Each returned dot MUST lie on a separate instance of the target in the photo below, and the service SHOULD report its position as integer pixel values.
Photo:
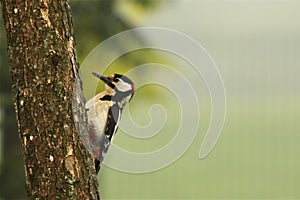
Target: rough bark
(43, 70)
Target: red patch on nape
(133, 87)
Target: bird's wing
(113, 118)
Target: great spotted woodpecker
(104, 112)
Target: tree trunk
(43, 70)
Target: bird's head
(122, 85)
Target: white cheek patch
(123, 87)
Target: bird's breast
(97, 113)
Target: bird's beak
(105, 79)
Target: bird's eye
(116, 80)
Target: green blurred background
(255, 44)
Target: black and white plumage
(104, 112)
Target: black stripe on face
(105, 98)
